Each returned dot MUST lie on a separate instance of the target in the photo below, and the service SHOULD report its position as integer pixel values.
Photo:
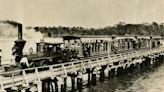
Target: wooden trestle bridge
(143, 51)
(26, 77)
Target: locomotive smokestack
(19, 45)
(19, 31)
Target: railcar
(73, 47)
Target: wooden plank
(18, 80)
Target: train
(75, 48)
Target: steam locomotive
(48, 53)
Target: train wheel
(44, 63)
(33, 64)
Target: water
(146, 80)
(6, 45)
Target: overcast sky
(85, 13)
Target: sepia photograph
(81, 45)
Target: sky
(85, 13)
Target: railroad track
(65, 68)
(86, 58)
(105, 55)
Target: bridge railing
(25, 76)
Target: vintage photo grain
(81, 45)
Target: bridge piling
(45, 85)
(56, 84)
(79, 81)
(94, 80)
(109, 74)
(65, 84)
(102, 73)
(162, 57)
(147, 61)
(112, 73)
(120, 70)
(62, 88)
(158, 59)
(89, 77)
(156, 62)
(73, 82)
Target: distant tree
(118, 29)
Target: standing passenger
(101, 47)
(24, 62)
(89, 49)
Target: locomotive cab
(49, 48)
(46, 53)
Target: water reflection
(141, 80)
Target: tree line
(121, 28)
(118, 29)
